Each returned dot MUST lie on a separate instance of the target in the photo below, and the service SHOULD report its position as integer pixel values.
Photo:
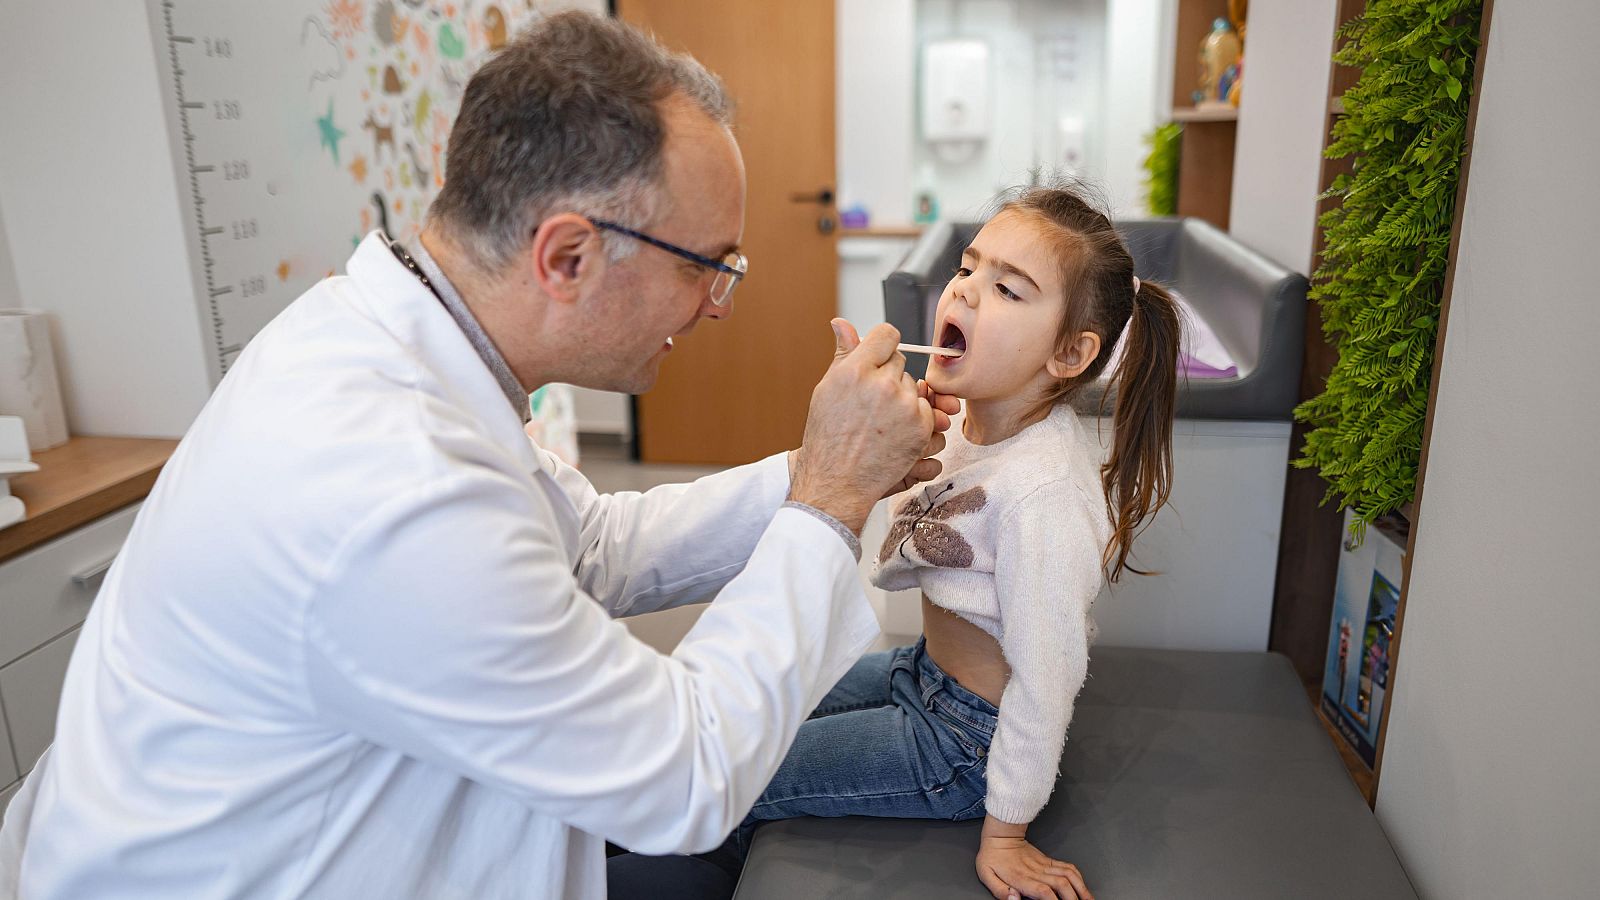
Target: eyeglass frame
(715, 265)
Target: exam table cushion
(1187, 774)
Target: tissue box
(14, 460)
(28, 385)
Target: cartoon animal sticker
(422, 174)
(391, 81)
(330, 133)
(386, 26)
(381, 134)
(494, 26)
(451, 45)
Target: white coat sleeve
(449, 627)
(674, 544)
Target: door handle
(93, 573)
(823, 197)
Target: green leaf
(1453, 87)
(1437, 65)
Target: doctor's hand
(927, 468)
(869, 425)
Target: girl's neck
(993, 421)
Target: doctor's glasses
(730, 269)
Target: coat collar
(399, 301)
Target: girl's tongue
(953, 338)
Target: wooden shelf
(1205, 114)
(80, 481)
(883, 231)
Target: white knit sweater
(1010, 538)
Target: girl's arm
(1048, 571)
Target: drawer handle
(93, 573)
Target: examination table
(1187, 774)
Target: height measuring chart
(298, 126)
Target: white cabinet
(45, 595)
(47, 591)
(8, 763)
(30, 688)
(5, 798)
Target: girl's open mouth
(951, 337)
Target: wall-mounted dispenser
(955, 90)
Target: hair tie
(1136, 285)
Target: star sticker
(358, 168)
(283, 270)
(330, 134)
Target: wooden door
(737, 390)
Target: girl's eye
(1007, 292)
(963, 272)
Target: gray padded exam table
(1187, 774)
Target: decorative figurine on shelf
(1237, 11)
(1218, 51)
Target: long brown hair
(1101, 297)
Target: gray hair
(566, 118)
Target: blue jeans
(895, 738)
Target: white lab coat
(360, 641)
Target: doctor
(361, 641)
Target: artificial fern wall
(1386, 244)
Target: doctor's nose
(710, 310)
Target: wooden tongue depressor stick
(931, 351)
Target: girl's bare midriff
(965, 652)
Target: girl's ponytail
(1104, 297)
(1138, 476)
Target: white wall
(1045, 62)
(1489, 786)
(9, 297)
(1138, 88)
(95, 233)
(1277, 161)
(876, 64)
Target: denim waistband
(937, 686)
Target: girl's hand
(1011, 868)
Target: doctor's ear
(568, 256)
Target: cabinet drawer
(5, 797)
(30, 688)
(48, 590)
(8, 763)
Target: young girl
(1010, 545)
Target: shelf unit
(1205, 167)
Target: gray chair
(1255, 306)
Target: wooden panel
(1345, 76)
(1205, 172)
(1194, 23)
(738, 390)
(80, 481)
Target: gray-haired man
(361, 642)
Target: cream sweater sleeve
(1047, 572)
